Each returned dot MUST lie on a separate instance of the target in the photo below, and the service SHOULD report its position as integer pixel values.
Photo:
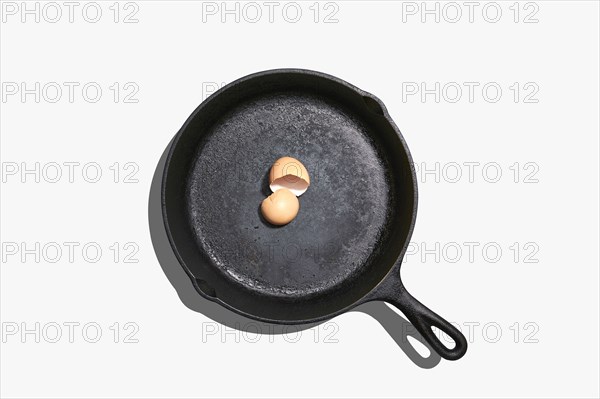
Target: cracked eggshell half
(289, 173)
(280, 208)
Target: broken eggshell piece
(288, 172)
(280, 208)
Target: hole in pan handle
(422, 318)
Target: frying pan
(346, 245)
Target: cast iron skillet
(347, 243)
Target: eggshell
(288, 172)
(281, 207)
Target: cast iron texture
(346, 245)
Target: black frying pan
(346, 245)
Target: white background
(171, 55)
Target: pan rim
(394, 268)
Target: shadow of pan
(396, 326)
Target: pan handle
(422, 317)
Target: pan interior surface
(353, 219)
(342, 214)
